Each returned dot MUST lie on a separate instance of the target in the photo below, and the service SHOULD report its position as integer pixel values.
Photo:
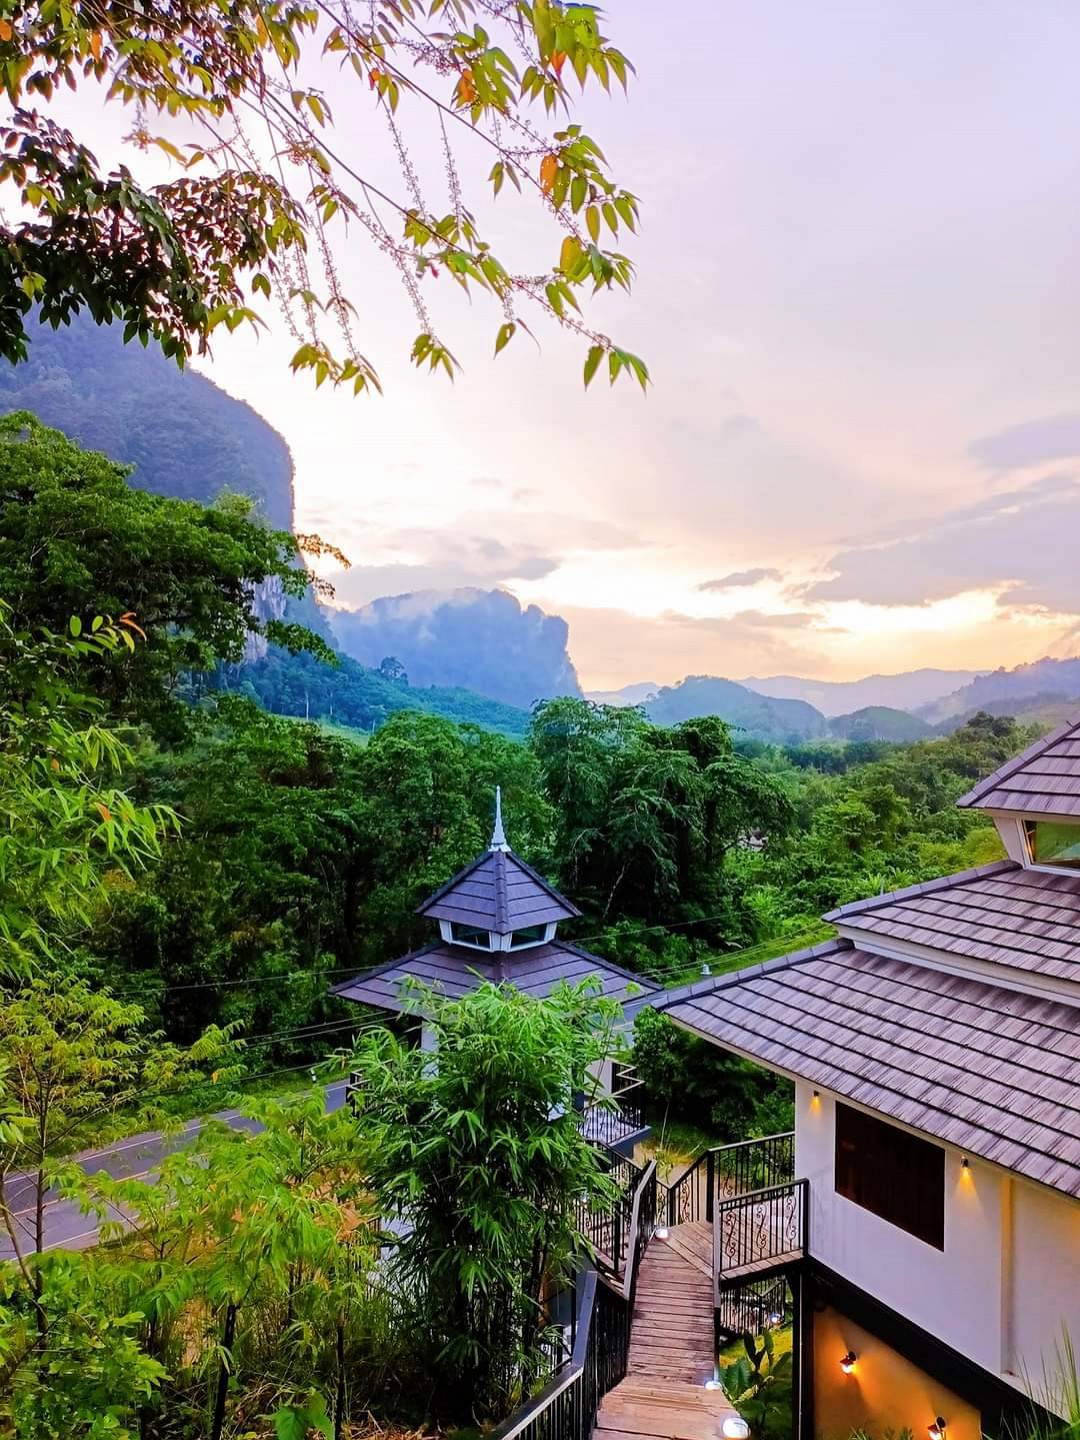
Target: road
(66, 1227)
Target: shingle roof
(498, 892)
(1001, 913)
(989, 1070)
(455, 971)
(1044, 779)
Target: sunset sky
(859, 294)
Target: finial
(498, 835)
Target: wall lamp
(847, 1364)
(936, 1431)
(965, 1163)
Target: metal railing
(759, 1231)
(726, 1170)
(605, 1124)
(607, 1227)
(566, 1407)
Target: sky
(858, 292)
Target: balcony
(757, 1208)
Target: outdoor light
(661, 1232)
(847, 1364)
(735, 1428)
(713, 1383)
(775, 1319)
(936, 1431)
(705, 968)
(817, 1094)
(965, 1163)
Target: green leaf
(505, 335)
(592, 221)
(75, 626)
(592, 362)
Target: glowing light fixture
(965, 1163)
(661, 1232)
(936, 1431)
(735, 1428)
(775, 1319)
(847, 1364)
(713, 1383)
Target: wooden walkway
(672, 1348)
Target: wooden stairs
(672, 1347)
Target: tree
(64, 827)
(391, 668)
(267, 188)
(76, 539)
(481, 1154)
(647, 815)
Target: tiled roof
(989, 1070)
(454, 971)
(1001, 913)
(1044, 779)
(498, 892)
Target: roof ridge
(502, 911)
(715, 983)
(546, 885)
(644, 981)
(1010, 767)
(377, 970)
(924, 887)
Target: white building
(935, 1049)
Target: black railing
(753, 1308)
(566, 1407)
(606, 1227)
(727, 1170)
(759, 1231)
(607, 1124)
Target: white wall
(1007, 1282)
(955, 1294)
(1045, 1281)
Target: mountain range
(470, 653)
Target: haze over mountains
(469, 653)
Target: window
(892, 1174)
(531, 935)
(470, 935)
(1053, 842)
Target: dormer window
(470, 935)
(1054, 843)
(532, 935)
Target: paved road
(66, 1227)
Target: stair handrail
(594, 1372)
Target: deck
(672, 1347)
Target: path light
(775, 1319)
(735, 1428)
(936, 1431)
(847, 1364)
(660, 1233)
(713, 1383)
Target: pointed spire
(498, 834)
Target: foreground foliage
(268, 187)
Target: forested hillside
(185, 436)
(764, 718)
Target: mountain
(879, 722)
(628, 695)
(481, 639)
(1018, 687)
(190, 440)
(904, 691)
(186, 437)
(780, 721)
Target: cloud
(780, 619)
(1017, 543)
(1036, 442)
(739, 578)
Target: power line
(254, 980)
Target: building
(935, 1050)
(498, 920)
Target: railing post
(710, 1184)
